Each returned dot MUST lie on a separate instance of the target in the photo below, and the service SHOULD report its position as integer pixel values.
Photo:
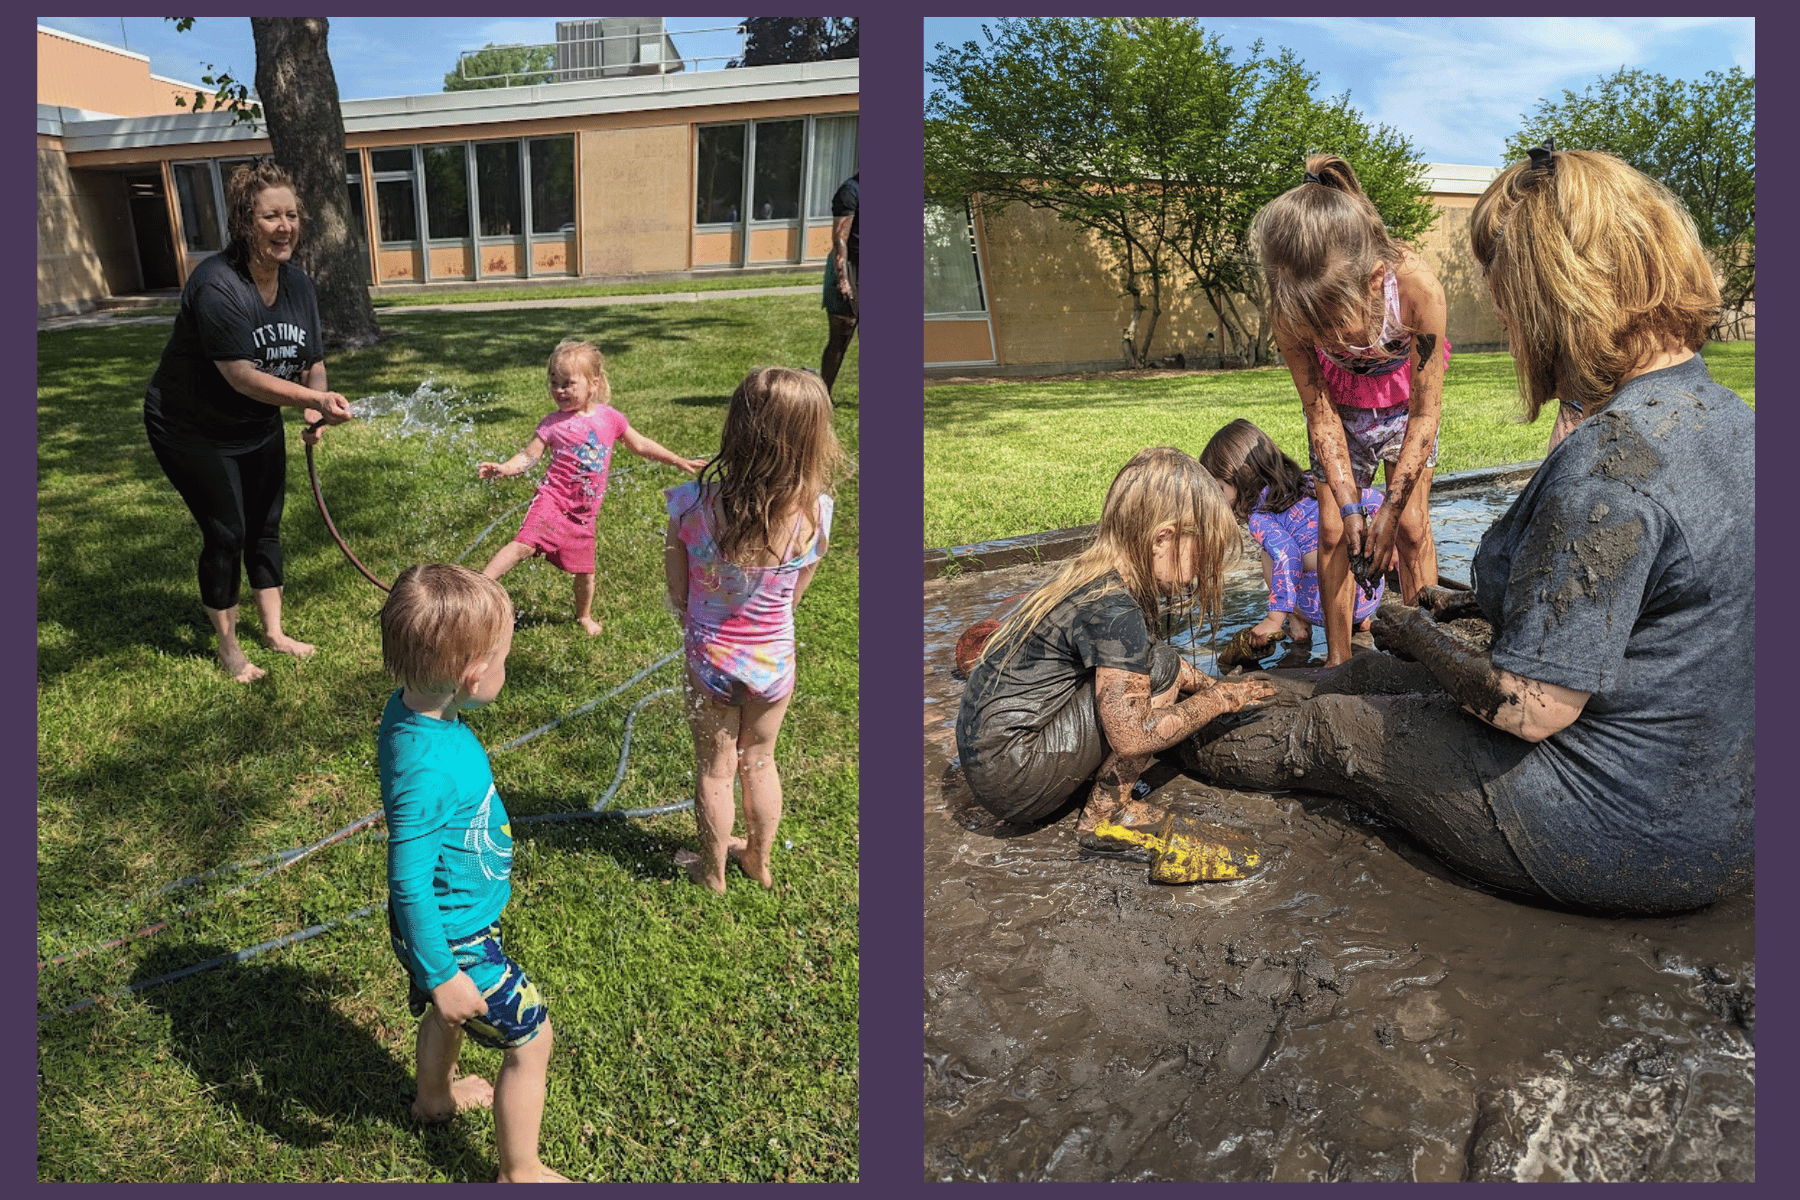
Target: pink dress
(560, 522)
(740, 620)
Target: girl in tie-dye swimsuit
(742, 545)
(1359, 319)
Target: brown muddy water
(1353, 1012)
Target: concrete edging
(1058, 544)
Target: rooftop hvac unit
(603, 47)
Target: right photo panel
(1339, 545)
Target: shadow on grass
(266, 1041)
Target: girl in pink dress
(580, 435)
(743, 542)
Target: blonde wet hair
(1594, 266)
(1318, 245)
(589, 359)
(777, 453)
(438, 620)
(1160, 487)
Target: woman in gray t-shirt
(1593, 754)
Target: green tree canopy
(1154, 135)
(1698, 137)
(771, 40)
(495, 66)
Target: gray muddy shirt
(1627, 569)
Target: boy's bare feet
(696, 871)
(593, 627)
(466, 1092)
(238, 666)
(281, 643)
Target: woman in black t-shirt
(1073, 682)
(246, 344)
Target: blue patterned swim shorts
(516, 1009)
(1374, 436)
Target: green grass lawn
(1004, 459)
(697, 1037)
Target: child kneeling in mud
(1073, 682)
(445, 635)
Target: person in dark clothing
(246, 344)
(1592, 755)
(841, 295)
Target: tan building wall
(631, 180)
(1470, 320)
(76, 73)
(85, 242)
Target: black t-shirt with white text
(223, 317)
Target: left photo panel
(447, 599)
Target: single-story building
(665, 175)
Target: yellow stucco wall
(102, 79)
(70, 277)
(1470, 317)
(636, 199)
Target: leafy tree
(295, 80)
(1698, 137)
(1150, 134)
(495, 66)
(771, 40)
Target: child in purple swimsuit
(1268, 491)
(743, 542)
(579, 435)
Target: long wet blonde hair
(1318, 245)
(777, 453)
(1593, 266)
(1160, 487)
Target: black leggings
(236, 499)
(1039, 771)
(1415, 759)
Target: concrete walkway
(126, 316)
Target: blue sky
(372, 56)
(1457, 86)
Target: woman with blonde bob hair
(1075, 682)
(1594, 754)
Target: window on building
(775, 194)
(552, 184)
(497, 189)
(396, 196)
(202, 231)
(952, 265)
(720, 183)
(353, 181)
(446, 191)
(833, 161)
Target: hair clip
(1309, 177)
(1543, 157)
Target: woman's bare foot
(696, 871)
(466, 1092)
(593, 627)
(757, 870)
(281, 643)
(238, 666)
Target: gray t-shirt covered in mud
(1016, 693)
(1626, 569)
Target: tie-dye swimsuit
(740, 620)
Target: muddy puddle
(1353, 1012)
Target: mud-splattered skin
(1526, 708)
(1136, 727)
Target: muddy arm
(1529, 709)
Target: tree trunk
(299, 95)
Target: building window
(497, 189)
(202, 229)
(396, 197)
(446, 191)
(952, 263)
(720, 184)
(776, 191)
(552, 184)
(353, 181)
(833, 161)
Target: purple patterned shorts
(1374, 436)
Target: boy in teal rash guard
(445, 635)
